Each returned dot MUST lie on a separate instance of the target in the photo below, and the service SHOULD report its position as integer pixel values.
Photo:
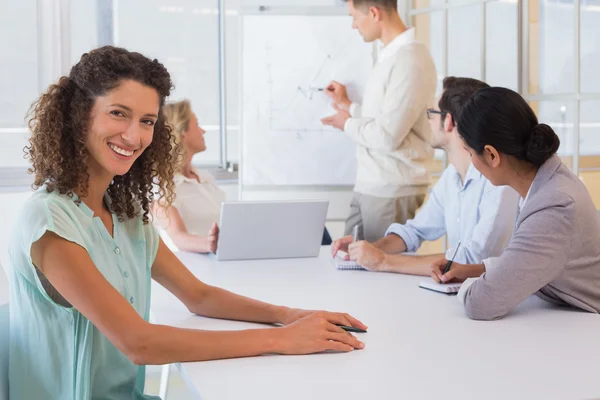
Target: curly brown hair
(59, 121)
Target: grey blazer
(554, 251)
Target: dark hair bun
(542, 144)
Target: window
(183, 35)
(429, 29)
(19, 78)
(465, 41)
(560, 78)
(502, 44)
(590, 46)
(465, 37)
(551, 40)
(88, 20)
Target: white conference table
(420, 344)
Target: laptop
(271, 229)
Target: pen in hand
(449, 263)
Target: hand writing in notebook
(367, 255)
(458, 272)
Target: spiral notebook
(448, 288)
(342, 264)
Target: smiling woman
(130, 90)
(122, 128)
(83, 253)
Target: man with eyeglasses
(392, 136)
(463, 204)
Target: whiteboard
(285, 59)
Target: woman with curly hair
(83, 252)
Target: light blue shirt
(55, 352)
(478, 214)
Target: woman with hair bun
(555, 249)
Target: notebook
(448, 288)
(342, 264)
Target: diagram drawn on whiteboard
(287, 63)
(300, 110)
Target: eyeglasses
(431, 112)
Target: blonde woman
(191, 221)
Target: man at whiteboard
(390, 127)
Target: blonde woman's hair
(178, 115)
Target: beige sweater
(390, 128)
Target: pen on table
(351, 329)
(449, 263)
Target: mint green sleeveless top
(55, 352)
